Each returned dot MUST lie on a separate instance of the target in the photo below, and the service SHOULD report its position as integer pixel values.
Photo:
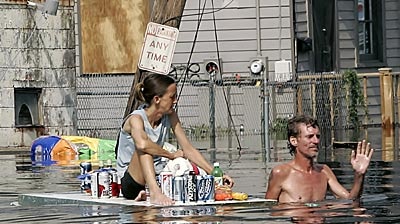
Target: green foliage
(354, 99)
(199, 131)
(203, 131)
(279, 128)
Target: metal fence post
(228, 89)
(266, 116)
(212, 116)
(396, 127)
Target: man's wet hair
(293, 129)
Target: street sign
(158, 48)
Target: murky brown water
(380, 203)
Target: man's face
(307, 141)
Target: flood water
(380, 202)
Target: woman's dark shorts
(129, 187)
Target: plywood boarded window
(112, 35)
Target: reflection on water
(322, 212)
(380, 202)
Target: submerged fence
(345, 111)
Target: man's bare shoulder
(324, 169)
(282, 170)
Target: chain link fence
(240, 106)
(101, 102)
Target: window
(27, 106)
(370, 40)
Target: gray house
(42, 56)
(293, 36)
(315, 36)
(335, 35)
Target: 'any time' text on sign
(158, 48)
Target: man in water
(304, 180)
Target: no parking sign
(158, 48)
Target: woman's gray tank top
(126, 146)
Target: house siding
(346, 44)
(347, 37)
(346, 34)
(302, 25)
(236, 44)
(392, 26)
(236, 39)
(347, 53)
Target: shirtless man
(303, 180)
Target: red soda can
(114, 188)
(119, 185)
(100, 184)
(104, 184)
(166, 182)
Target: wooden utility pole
(165, 12)
(387, 113)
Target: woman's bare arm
(190, 152)
(134, 125)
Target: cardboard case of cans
(106, 183)
(187, 188)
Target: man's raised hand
(361, 157)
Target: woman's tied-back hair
(293, 129)
(151, 86)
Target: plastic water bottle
(218, 174)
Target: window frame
(378, 57)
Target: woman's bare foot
(160, 199)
